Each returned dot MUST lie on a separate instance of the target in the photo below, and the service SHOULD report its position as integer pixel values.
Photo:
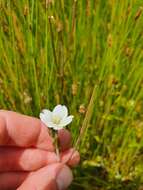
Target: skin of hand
(27, 155)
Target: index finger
(23, 131)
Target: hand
(27, 157)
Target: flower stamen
(56, 119)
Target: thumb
(52, 177)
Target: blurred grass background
(88, 55)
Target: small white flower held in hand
(56, 119)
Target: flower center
(56, 119)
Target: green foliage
(59, 51)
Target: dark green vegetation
(88, 55)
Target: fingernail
(64, 178)
(52, 158)
(71, 157)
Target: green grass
(88, 55)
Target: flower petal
(57, 127)
(53, 125)
(61, 111)
(47, 113)
(66, 121)
(57, 108)
(45, 119)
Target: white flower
(57, 119)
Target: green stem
(56, 144)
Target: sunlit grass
(75, 53)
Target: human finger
(11, 180)
(70, 157)
(23, 131)
(21, 159)
(52, 177)
(64, 137)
